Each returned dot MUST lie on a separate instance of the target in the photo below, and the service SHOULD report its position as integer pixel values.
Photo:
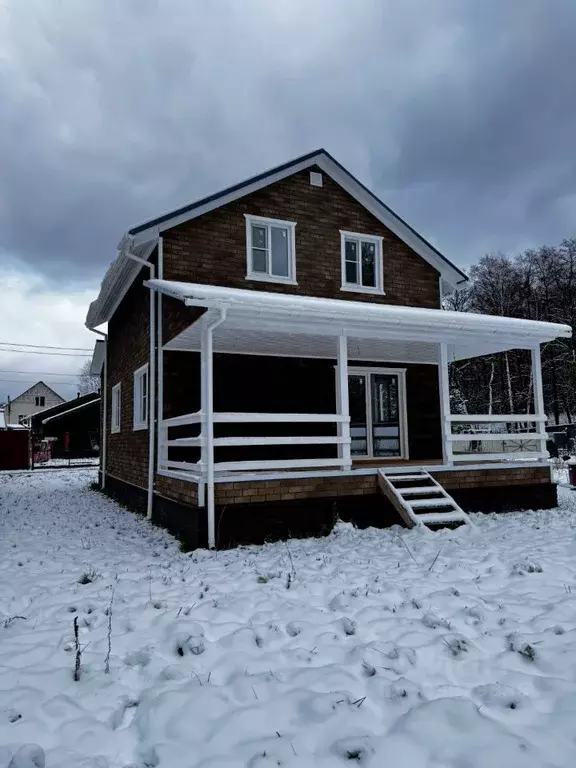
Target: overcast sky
(460, 114)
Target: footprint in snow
(499, 696)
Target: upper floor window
(115, 418)
(40, 400)
(141, 397)
(271, 250)
(361, 263)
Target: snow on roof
(308, 308)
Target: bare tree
(539, 284)
(87, 382)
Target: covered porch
(388, 389)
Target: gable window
(271, 252)
(40, 400)
(115, 418)
(141, 397)
(361, 262)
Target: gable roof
(26, 391)
(142, 239)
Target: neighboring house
(288, 363)
(37, 398)
(73, 427)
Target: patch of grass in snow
(88, 576)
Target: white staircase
(419, 499)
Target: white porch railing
(495, 437)
(197, 469)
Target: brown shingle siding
(212, 248)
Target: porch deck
(392, 398)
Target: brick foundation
(260, 510)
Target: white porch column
(207, 400)
(207, 406)
(444, 386)
(538, 392)
(343, 402)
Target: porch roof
(261, 322)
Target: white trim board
(123, 271)
(245, 477)
(450, 273)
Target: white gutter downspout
(152, 389)
(104, 407)
(207, 406)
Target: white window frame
(379, 269)
(38, 400)
(402, 411)
(116, 409)
(267, 277)
(139, 375)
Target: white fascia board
(155, 230)
(449, 273)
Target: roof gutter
(104, 407)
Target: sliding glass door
(377, 413)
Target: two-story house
(277, 356)
(35, 399)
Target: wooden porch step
(437, 518)
(425, 504)
(418, 490)
(443, 501)
(397, 478)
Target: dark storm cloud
(461, 115)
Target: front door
(377, 413)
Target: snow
(454, 649)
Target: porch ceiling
(259, 322)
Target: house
(72, 427)
(277, 355)
(36, 398)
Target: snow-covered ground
(381, 648)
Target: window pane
(259, 237)
(144, 398)
(258, 260)
(385, 416)
(358, 425)
(351, 262)
(352, 272)
(351, 250)
(369, 264)
(279, 238)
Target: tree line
(538, 284)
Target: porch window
(115, 418)
(141, 398)
(271, 251)
(378, 412)
(361, 262)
